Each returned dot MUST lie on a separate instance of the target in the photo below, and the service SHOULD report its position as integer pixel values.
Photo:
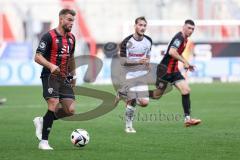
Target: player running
(134, 55)
(173, 75)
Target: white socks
(187, 118)
(129, 116)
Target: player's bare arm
(173, 52)
(146, 61)
(42, 61)
(129, 62)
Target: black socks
(186, 104)
(47, 124)
(150, 93)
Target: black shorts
(172, 78)
(54, 87)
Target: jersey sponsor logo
(42, 45)
(136, 54)
(65, 49)
(63, 55)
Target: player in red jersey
(173, 75)
(56, 54)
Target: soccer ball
(79, 137)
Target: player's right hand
(54, 69)
(191, 68)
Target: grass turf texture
(218, 136)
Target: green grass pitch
(162, 136)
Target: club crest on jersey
(50, 90)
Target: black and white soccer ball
(80, 137)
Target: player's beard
(66, 29)
(140, 34)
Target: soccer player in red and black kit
(56, 54)
(173, 75)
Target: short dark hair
(67, 11)
(140, 18)
(189, 21)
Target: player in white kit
(135, 56)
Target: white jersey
(136, 50)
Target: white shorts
(139, 89)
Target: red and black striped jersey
(58, 50)
(178, 42)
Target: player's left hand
(144, 61)
(189, 67)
